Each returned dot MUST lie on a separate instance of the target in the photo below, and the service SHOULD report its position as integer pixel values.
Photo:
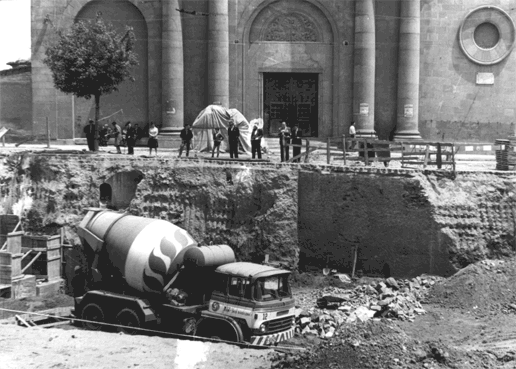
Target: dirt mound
(486, 287)
(381, 345)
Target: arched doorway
(131, 101)
(289, 68)
(106, 194)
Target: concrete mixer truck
(149, 273)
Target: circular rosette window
(487, 35)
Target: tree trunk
(97, 113)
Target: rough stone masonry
(403, 222)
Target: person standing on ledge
(284, 136)
(89, 131)
(117, 135)
(296, 140)
(352, 133)
(233, 137)
(217, 139)
(130, 137)
(256, 141)
(186, 139)
(153, 139)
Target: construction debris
(388, 298)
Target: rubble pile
(380, 345)
(388, 298)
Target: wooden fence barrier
(409, 153)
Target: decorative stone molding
(291, 28)
(487, 35)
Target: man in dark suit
(233, 137)
(186, 139)
(130, 138)
(284, 136)
(256, 141)
(89, 131)
(295, 137)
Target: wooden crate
(8, 222)
(53, 252)
(5, 258)
(6, 275)
(38, 268)
(40, 242)
(14, 242)
(54, 268)
(16, 265)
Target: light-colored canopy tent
(216, 116)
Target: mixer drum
(146, 251)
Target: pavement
(475, 162)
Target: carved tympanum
(291, 28)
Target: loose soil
(470, 323)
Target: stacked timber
(503, 147)
(10, 267)
(511, 153)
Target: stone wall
(404, 222)
(140, 101)
(388, 217)
(453, 107)
(16, 99)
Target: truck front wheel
(91, 314)
(218, 331)
(128, 318)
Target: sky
(14, 31)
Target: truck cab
(256, 296)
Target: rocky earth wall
(404, 222)
(386, 216)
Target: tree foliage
(91, 59)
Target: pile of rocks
(388, 298)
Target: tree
(92, 59)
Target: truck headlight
(263, 328)
(293, 322)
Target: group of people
(290, 136)
(233, 141)
(128, 136)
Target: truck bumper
(271, 339)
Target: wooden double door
(291, 98)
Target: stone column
(364, 68)
(218, 52)
(408, 72)
(172, 111)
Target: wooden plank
(366, 154)
(55, 324)
(453, 158)
(439, 157)
(15, 228)
(26, 254)
(344, 149)
(328, 151)
(307, 150)
(429, 163)
(426, 155)
(31, 262)
(22, 321)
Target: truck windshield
(271, 288)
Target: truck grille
(279, 325)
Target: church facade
(402, 69)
